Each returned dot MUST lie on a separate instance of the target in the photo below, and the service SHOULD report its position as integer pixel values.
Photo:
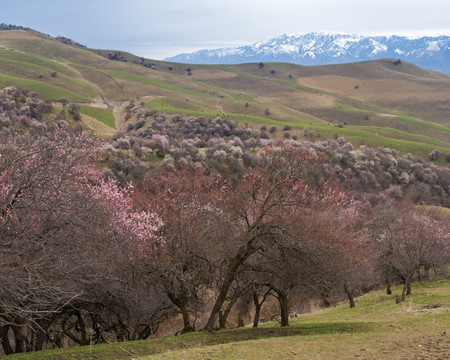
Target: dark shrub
(64, 101)
(434, 155)
(140, 123)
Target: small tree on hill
(434, 155)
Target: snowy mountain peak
(320, 48)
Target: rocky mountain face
(323, 48)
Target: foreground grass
(377, 328)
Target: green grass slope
(377, 328)
(46, 91)
(103, 115)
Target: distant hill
(381, 103)
(322, 48)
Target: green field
(45, 91)
(32, 59)
(102, 115)
(423, 123)
(377, 328)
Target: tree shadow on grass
(245, 334)
(125, 350)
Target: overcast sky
(162, 28)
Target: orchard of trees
(87, 256)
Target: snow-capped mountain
(323, 48)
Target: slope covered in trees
(196, 217)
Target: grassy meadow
(103, 115)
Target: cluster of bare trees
(65, 270)
(84, 260)
(280, 231)
(194, 244)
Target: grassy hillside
(377, 103)
(377, 328)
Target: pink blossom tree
(63, 231)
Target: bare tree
(411, 239)
(259, 209)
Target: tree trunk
(349, 295)
(388, 288)
(230, 275)
(284, 307)
(258, 305)
(4, 339)
(181, 301)
(42, 331)
(187, 327)
(257, 316)
(406, 288)
(257, 309)
(223, 316)
(222, 320)
(41, 336)
(19, 339)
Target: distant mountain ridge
(431, 52)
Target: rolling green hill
(379, 103)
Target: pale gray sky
(162, 28)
